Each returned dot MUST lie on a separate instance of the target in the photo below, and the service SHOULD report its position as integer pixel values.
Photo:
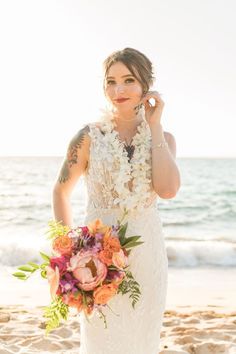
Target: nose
(119, 88)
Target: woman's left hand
(153, 112)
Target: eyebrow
(112, 77)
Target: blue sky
(51, 69)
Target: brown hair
(137, 63)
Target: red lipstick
(120, 100)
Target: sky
(51, 69)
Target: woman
(127, 161)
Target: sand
(200, 315)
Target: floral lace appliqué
(112, 180)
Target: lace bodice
(112, 181)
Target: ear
(144, 93)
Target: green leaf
(44, 274)
(123, 216)
(84, 298)
(133, 244)
(128, 252)
(34, 265)
(56, 229)
(123, 229)
(26, 268)
(44, 265)
(76, 294)
(44, 256)
(130, 285)
(131, 238)
(54, 313)
(20, 275)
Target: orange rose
(97, 226)
(106, 256)
(76, 302)
(113, 243)
(104, 293)
(63, 245)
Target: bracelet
(160, 145)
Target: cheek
(136, 90)
(109, 92)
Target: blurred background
(51, 84)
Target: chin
(125, 108)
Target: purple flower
(67, 283)
(115, 230)
(114, 275)
(98, 236)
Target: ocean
(199, 223)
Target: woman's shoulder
(93, 130)
(89, 126)
(88, 130)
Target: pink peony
(53, 277)
(87, 269)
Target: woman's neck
(127, 119)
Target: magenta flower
(61, 262)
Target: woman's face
(120, 83)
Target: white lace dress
(114, 183)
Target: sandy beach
(200, 315)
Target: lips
(119, 100)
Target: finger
(152, 100)
(147, 104)
(153, 94)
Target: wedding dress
(113, 184)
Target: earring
(141, 105)
(139, 109)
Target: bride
(128, 162)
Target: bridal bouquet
(88, 266)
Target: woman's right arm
(74, 165)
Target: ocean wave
(180, 253)
(201, 253)
(15, 255)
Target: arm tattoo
(72, 154)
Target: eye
(130, 80)
(110, 81)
